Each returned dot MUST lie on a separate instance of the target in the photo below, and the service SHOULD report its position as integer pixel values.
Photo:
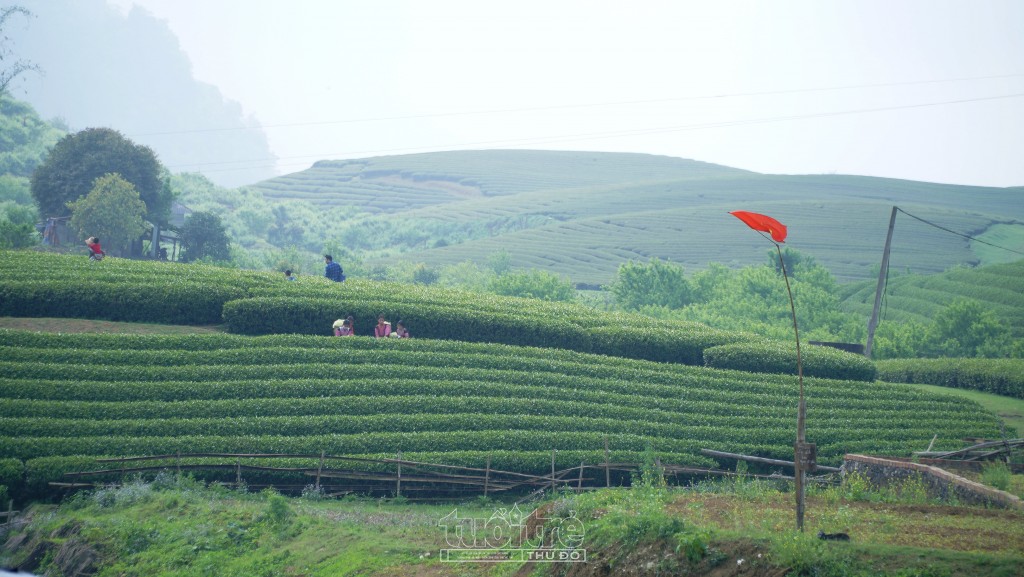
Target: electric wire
(597, 135)
(573, 106)
(958, 233)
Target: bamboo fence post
(579, 482)
(238, 473)
(319, 471)
(552, 471)
(398, 489)
(607, 470)
(487, 476)
(177, 463)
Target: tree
(536, 284)
(15, 69)
(112, 211)
(78, 159)
(203, 236)
(655, 283)
(500, 262)
(17, 226)
(965, 328)
(25, 140)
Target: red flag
(762, 223)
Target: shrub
(997, 376)
(159, 302)
(12, 475)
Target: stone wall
(939, 483)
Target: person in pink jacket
(383, 328)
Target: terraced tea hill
(391, 184)
(919, 297)
(68, 398)
(583, 214)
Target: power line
(597, 135)
(957, 233)
(571, 106)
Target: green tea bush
(658, 343)
(997, 376)
(162, 302)
(780, 357)
(12, 475)
(531, 324)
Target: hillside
(914, 297)
(66, 399)
(581, 214)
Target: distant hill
(582, 214)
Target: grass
(179, 527)
(176, 527)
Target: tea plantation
(66, 399)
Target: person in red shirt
(95, 251)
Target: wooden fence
(401, 477)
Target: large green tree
(534, 284)
(203, 236)
(966, 328)
(656, 283)
(78, 159)
(112, 211)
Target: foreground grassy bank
(177, 527)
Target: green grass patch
(175, 526)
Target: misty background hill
(582, 214)
(128, 72)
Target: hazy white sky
(920, 89)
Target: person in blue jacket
(333, 270)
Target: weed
(652, 474)
(313, 493)
(278, 511)
(692, 542)
(855, 487)
(803, 553)
(911, 490)
(997, 474)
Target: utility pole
(882, 273)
